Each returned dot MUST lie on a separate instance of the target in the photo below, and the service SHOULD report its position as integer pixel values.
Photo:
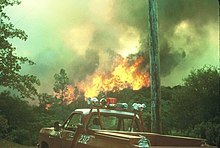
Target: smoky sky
(199, 14)
(82, 36)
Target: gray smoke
(81, 36)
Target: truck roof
(87, 110)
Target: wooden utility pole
(154, 67)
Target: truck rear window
(111, 122)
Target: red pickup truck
(108, 128)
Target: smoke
(185, 31)
(81, 36)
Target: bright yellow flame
(123, 75)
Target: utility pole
(154, 67)
(0, 18)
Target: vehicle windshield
(112, 122)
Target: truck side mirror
(56, 126)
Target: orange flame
(67, 95)
(123, 75)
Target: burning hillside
(124, 74)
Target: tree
(203, 84)
(45, 100)
(194, 109)
(18, 112)
(19, 122)
(198, 100)
(61, 83)
(10, 63)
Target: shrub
(21, 136)
(209, 130)
(3, 126)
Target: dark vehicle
(107, 128)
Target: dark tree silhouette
(61, 82)
(10, 63)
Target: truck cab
(92, 123)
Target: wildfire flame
(123, 75)
(67, 96)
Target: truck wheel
(44, 145)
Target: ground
(8, 144)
